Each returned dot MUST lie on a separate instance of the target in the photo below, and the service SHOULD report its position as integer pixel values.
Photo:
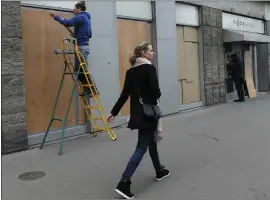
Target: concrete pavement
(218, 153)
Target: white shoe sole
(122, 194)
(163, 177)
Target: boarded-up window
(188, 64)
(130, 32)
(43, 70)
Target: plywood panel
(181, 91)
(130, 32)
(249, 78)
(190, 34)
(192, 61)
(191, 91)
(181, 58)
(43, 70)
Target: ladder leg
(62, 139)
(54, 107)
(66, 117)
(46, 134)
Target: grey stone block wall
(268, 33)
(213, 55)
(14, 134)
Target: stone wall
(14, 135)
(268, 33)
(213, 56)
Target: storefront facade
(246, 37)
(191, 43)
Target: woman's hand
(110, 118)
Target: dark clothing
(146, 78)
(82, 26)
(239, 88)
(145, 140)
(235, 71)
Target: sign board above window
(186, 14)
(240, 23)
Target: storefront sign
(240, 23)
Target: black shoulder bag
(151, 112)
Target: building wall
(14, 134)
(213, 55)
(249, 8)
(167, 56)
(102, 58)
(161, 20)
(267, 10)
(268, 33)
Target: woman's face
(149, 54)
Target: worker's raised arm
(66, 22)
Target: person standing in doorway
(144, 74)
(234, 66)
(82, 32)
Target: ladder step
(76, 73)
(68, 51)
(58, 119)
(96, 118)
(100, 128)
(92, 107)
(86, 85)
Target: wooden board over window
(43, 70)
(130, 32)
(188, 64)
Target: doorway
(246, 54)
(230, 49)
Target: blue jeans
(146, 139)
(85, 50)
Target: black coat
(146, 78)
(234, 69)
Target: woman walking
(143, 75)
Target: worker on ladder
(82, 32)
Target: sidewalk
(218, 153)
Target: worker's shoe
(239, 100)
(95, 91)
(86, 92)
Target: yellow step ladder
(95, 113)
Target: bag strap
(139, 95)
(138, 92)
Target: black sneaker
(123, 189)
(164, 173)
(239, 100)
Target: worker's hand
(52, 14)
(110, 118)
